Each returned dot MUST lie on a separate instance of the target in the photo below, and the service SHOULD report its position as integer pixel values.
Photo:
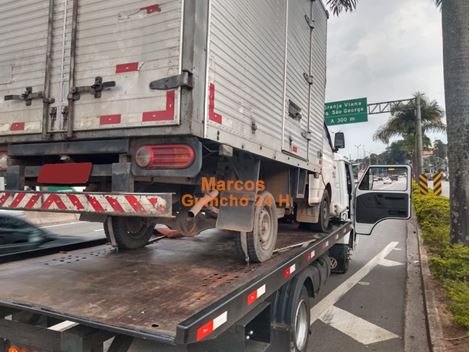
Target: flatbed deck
(165, 291)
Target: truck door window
(385, 179)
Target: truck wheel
(300, 322)
(130, 232)
(258, 246)
(324, 215)
(339, 258)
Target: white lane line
(357, 328)
(58, 225)
(390, 263)
(327, 302)
(98, 230)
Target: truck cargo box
(249, 74)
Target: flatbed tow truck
(188, 294)
(192, 294)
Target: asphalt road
(363, 310)
(77, 230)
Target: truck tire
(258, 246)
(300, 322)
(339, 258)
(324, 214)
(130, 232)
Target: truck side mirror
(339, 140)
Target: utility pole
(419, 138)
(357, 147)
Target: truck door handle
(28, 96)
(95, 89)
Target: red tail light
(168, 156)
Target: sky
(385, 50)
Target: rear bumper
(117, 204)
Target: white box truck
(193, 114)
(142, 102)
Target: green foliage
(458, 305)
(402, 123)
(448, 263)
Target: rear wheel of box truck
(128, 232)
(258, 245)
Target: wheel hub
(301, 325)
(265, 228)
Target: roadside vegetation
(448, 262)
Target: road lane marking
(390, 263)
(355, 327)
(327, 302)
(57, 225)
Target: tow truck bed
(165, 292)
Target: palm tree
(402, 123)
(455, 46)
(455, 39)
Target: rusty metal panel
(154, 292)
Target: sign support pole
(419, 137)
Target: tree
(455, 39)
(402, 123)
(397, 153)
(455, 49)
(440, 149)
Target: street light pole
(357, 147)
(419, 138)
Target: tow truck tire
(324, 214)
(130, 232)
(339, 258)
(260, 243)
(300, 322)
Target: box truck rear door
(23, 46)
(127, 45)
(383, 192)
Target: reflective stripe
(158, 204)
(210, 326)
(252, 297)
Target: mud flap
(233, 215)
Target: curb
(415, 335)
(434, 325)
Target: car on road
(394, 177)
(17, 234)
(387, 180)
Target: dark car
(17, 234)
(394, 177)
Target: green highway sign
(346, 111)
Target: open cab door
(383, 192)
